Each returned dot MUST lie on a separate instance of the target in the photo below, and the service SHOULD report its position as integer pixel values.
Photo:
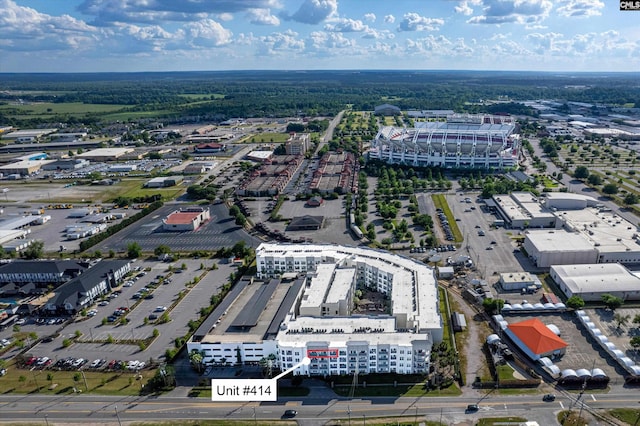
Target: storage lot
(583, 351)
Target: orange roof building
(188, 219)
(536, 339)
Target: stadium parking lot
(92, 345)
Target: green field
(47, 109)
(22, 381)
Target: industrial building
(188, 219)
(590, 235)
(476, 141)
(27, 135)
(272, 177)
(260, 156)
(519, 281)
(105, 154)
(522, 210)
(591, 281)
(305, 308)
(163, 182)
(66, 164)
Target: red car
(31, 360)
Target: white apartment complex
(314, 316)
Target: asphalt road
(70, 409)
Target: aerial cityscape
(319, 212)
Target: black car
(290, 414)
(472, 408)
(549, 397)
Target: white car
(160, 309)
(21, 321)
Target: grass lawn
(270, 137)
(46, 382)
(628, 415)
(570, 418)
(505, 372)
(399, 390)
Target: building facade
(463, 141)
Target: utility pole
(118, 415)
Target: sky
(210, 35)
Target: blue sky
(184, 35)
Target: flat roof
(260, 154)
(521, 206)
(106, 152)
(605, 230)
(587, 278)
(516, 277)
(559, 240)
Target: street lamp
(364, 421)
(117, 415)
(349, 413)
(255, 418)
(46, 419)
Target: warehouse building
(304, 308)
(591, 281)
(522, 210)
(105, 154)
(163, 182)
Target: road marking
(593, 397)
(561, 405)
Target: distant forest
(221, 95)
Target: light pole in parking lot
(46, 419)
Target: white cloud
(529, 12)
(280, 42)
(584, 8)
(414, 22)
(208, 32)
(225, 17)
(107, 12)
(262, 17)
(378, 34)
(346, 26)
(370, 17)
(314, 11)
(389, 19)
(321, 40)
(464, 7)
(26, 29)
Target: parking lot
(92, 339)
(220, 231)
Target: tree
(162, 249)
(196, 357)
(34, 251)
(610, 189)
(636, 319)
(635, 342)
(133, 250)
(268, 363)
(492, 306)
(575, 302)
(241, 220)
(594, 180)
(621, 320)
(611, 302)
(581, 172)
(630, 199)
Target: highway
(78, 408)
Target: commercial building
(536, 339)
(260, 156)
(272, 177)
(67, 164)
(591, 281)
(558, 247)
(83, 290)
(188, 219)
(518, 281)
(305, 308)
(462, 141)
(209, 148)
